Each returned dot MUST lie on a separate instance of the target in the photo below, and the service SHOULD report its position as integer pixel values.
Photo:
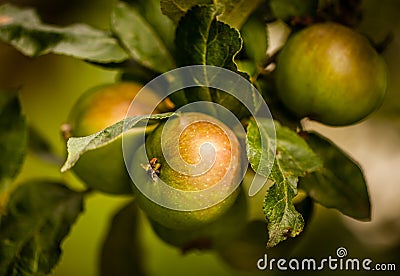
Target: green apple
(208, 236)
(330, 73)
(103, 169)
(186, 142)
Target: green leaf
(22, 29)
(260, 145)
(201, 39)
(293, 158)
(236, 12)
(39, 216)
(340, 184)
(233, 13)
(250, 68)
(122, 252)
(293, 154)
(13, 138)
(140, 39)
(151, 11)
(176, 9)
(77, 146)
(255, 39)
(283, 9)
(283, 219)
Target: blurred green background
(49, 85)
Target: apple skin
(331, 74)
(190, 130)
(209, 236)
(104, 169)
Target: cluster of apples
(327, 72)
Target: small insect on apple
(152, 168)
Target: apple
(331, 74)
(191, 152)
(103, 169)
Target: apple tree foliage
(145, 39)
